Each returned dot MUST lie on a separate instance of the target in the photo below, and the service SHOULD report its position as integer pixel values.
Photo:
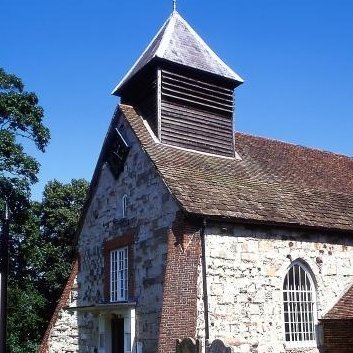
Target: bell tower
(183, 90)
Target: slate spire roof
(178, 43)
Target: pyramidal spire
(178, 43)
(183, 91)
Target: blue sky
(296, 57)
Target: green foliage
(42, 233)
(60, 211)
(25, 324)
(21, 118)
(42, 251)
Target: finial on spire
(174, 5)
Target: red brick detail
(338, 336)
(113, 244)
(179, 308)
(63, 302)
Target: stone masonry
(150, 212)
(246, 267)
(61, 335)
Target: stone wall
(61, 335)
(245, 271)
(150, 213)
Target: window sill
(103, 307)
(300, 347)
(121, 221)
(302, 350)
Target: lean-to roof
(343, 309)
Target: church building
(191, 230)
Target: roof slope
(274, 182)
(177, 42)
(343, 310)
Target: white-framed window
(124, 206)
(119, 275)
(299, 306)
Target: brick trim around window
(126, 240)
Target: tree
(60, 210)
(42, 252)
(21, 119)
(41, 246)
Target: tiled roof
(343, 310)
(273, 182)
(177, 42)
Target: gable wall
(245, 272)
(150, 214)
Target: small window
(124, 206)
(119, 275)
(299, 307)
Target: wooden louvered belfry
(183, 90)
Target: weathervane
(174, 5)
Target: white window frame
(119, 274)
(124, 206)
(301, 301)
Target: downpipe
(204, 283)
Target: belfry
(183, 90)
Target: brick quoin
(338, 336)
(179, 308)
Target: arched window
(299, 306)
(124, 206)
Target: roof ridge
(167, 35)
(131, 70)
(293, 144)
